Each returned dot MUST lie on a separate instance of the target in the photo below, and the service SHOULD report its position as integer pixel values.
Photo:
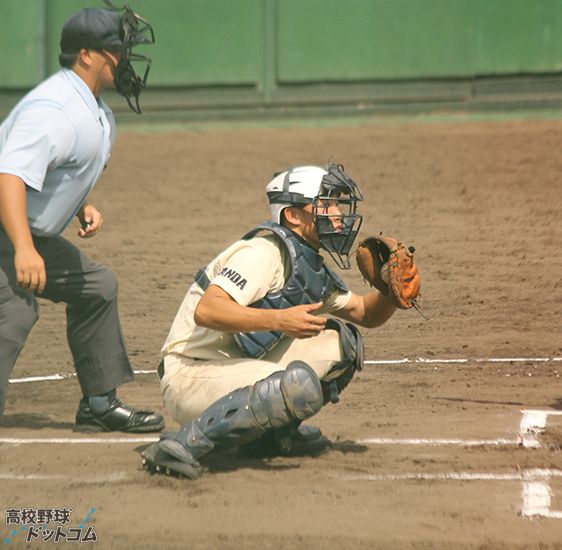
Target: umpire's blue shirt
(57, 139)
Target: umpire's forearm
(13, 211)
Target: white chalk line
(439, 442)
(367, 441)
(406, 360)
(532, 474)
(463, 360)
(111, 478)
(536, 492)
(74, 440)
(537, 500)
(533, 423)
(57, 377)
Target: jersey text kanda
(234, 277)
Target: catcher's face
(303, 219)
(337, 223)
(329, 208)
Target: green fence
(260, 53)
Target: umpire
(54, 146)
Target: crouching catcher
(252, 354)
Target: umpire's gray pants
(89, 291)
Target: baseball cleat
(158, 461)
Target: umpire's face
(109, 67)
(104, 67)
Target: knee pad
(287, 396)
(302, 390)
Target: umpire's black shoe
(119, 418)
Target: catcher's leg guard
(341, 372)
(283, 399)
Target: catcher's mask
(133, 30)
(334, 197)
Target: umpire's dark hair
(68, 59)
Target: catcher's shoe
(305, 440)
(119, 418)
(158, 460)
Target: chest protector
(310, 281)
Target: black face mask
(337, 232)
(134, 30)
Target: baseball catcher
(251, 354)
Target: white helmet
(297, 186)
(304, 185)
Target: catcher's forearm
(378, 309)
(225, 315)
(369, 311)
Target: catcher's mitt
(388, 265)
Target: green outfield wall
(260, 54)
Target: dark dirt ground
(481, 201)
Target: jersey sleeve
(42, 137)
(253, 270)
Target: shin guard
(282, 399)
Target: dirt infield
(425, 454)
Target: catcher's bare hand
(300, 321)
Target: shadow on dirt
(480, 401)
(348, 447)
(33, 421)
(232, 460)
(557, 404)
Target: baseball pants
(89, 291)
(189, 386)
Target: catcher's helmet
(322, 188)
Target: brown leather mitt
(388, 265)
